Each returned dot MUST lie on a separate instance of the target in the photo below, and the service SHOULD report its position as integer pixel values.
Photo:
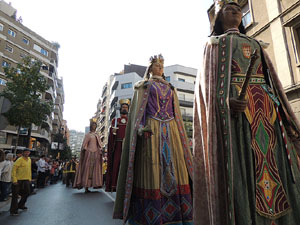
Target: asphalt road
(58, 205)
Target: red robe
(114, 153)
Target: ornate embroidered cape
(213, 147)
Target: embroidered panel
(223, 83)
(176, 209)
(168, 180)
(271, 200)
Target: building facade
(183, 79)
(277, 23)
(76, 139)
(17, 42)
(118, 86)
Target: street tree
(65, 152)
(24, 90)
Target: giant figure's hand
(237, 105)
(147, 134)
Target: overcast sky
(97, 37)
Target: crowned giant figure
(115, 143)
(246, 153)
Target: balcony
(102, 119)
(56, 120)
(186, 102)
(114, 100)
(102, 129)
(115, 86)
(184, 86)
(42, 134)
(47, 123)
(50, 95)
(104, 90)
(188, 117)
(104, 99)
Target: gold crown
(219, 4)
(157, 59)
(124, 101)
(94, 119)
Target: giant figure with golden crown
(115, 143)
(156, 166)
(246, 152)
(89, 171)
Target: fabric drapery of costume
(89, 171)
(153, 184)
(115, 143)
(245, 164)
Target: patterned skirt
(161, 192)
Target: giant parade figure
(246, 152)
(153, 184)
(115, 143)
(89, 171)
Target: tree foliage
(24, 91)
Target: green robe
(244, 173)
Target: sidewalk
(4, 206)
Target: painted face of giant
(157, 69)
(231, 16)
(124, 109)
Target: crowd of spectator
(21, 175)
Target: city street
(58, 205)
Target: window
(11, 33)
(1, 27)
(2, 137)
(9, 48)
(5, 64)
(126, 85)
(25, 40)
(180, 79)
(296, 32)
(183, 111)
(44, 52)
(168, 78)
(2, 82)
(40, 50)
(23, 55)
(181, 96)
(247, 19)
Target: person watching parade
(21, 181)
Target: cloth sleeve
(14, 171)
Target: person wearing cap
(5, 177)
(89, 171)
(115, 143)
(246, 149)
(21, 178)
(156, 163)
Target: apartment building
(16, 42)
(76, 139)
(183, 79)
(277, 23)
(119, 86)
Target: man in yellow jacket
(21, 178)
